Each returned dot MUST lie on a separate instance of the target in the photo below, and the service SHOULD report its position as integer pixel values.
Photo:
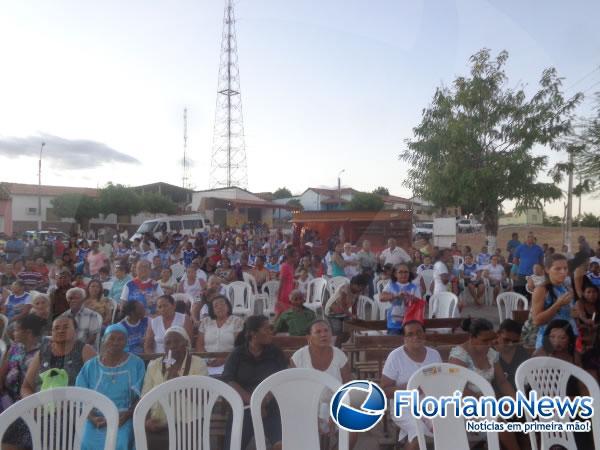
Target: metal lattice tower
(228, 162)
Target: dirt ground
(551, 235)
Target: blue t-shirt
(395, 315)
(512, 245)
(483, 259)
(82, 254)
(14, 305)
(189, 256)
(136, 334)
(470, 270)
(594, 279)
(528, 257)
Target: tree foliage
(120, 200)
(588, 159)
(473, 147)
(589, 220)
(156, 203)
(363, 201)
(295, 203)
(282, 192)
(381, 191)
(80, 207)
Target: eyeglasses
(402, 271)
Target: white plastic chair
(443, 379)
(184, 297)
(188, 403)
(241, 298)
(62, 412)
(298, 393)
(114, 309)
(427, 276)
(362, 304)
(315, 294)
(380, 286)
(258, 295)
(442, 305)
(381, 306)
(510, 302)
(549, 377)
(178, 271)
(333, 284)
(457, 260)
(270, 289)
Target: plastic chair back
(427, 276)
(442, 305)
(509, 301)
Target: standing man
(512, 245)
(393, 255)
(526, 256)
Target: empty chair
(56, 417)
(442, 379)
(381, 306)
(299, 394)
(549, 377)
(380, 286)
(509, 302)
(366, 309)
(258, 295)
(241, 298)
(427, 277)
(315, 294)
(336, 282)
(270, 289)
(188, 403)
(442, 305)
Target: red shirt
(286, 286)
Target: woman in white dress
(217, 332)
(166, 318)
(399, 366)
(191, 285)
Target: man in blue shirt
(512, 245)
(526, 256)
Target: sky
(326, 86)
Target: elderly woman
(254, 359)
(176, 363)
(27, 337)
(167, 317)
(399, 366)
(96, 301)
(61, 351)
(118, 375)
(218, 331)
(40, 307)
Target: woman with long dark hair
(254, 359)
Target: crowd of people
(103, 308)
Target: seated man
(494, 272)
(470, 273)
(89, 322)
(297, 319)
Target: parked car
(468, 225)
(423, 229)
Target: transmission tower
(228, 162)
(186, 166)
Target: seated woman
(399, 366)
(27, 334)
(167, 281)
(191, 285)
(511, 352)
(218, 331)
(96, 301)
(62, 351)
(136, 324)
(478, 355)
(167, 317)
(177, 362)
(118, 375)
(254, 359)
(343, 303)
(559, 342)
(399, 291)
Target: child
(537, 279)
(302, 281)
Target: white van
(187, 225)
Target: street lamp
(340, 189)
(39, 227)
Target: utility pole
(569, 226)
(40, 218)
(228, 163)
(340, 189)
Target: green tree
(120, 200)
(590, 220)
(80, 207)
(156, 203)
(282, 192)
(588, 159)
(295, 203)
(381, 191)
(363, 201)
(473, 147)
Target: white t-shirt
(400, 367)
(395, 257)
(439, 269)
(350, 271)
(301, 359)
(495, 273)
(193, 290)
(158, 326)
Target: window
(32, 211)
(175, 225)
(192, 224)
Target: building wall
(310, 201)
(229, 194)
(529, 217)
(6, 217)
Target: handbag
(415, 310)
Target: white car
(468, 225)
(423, 229)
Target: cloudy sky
(326, 86)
